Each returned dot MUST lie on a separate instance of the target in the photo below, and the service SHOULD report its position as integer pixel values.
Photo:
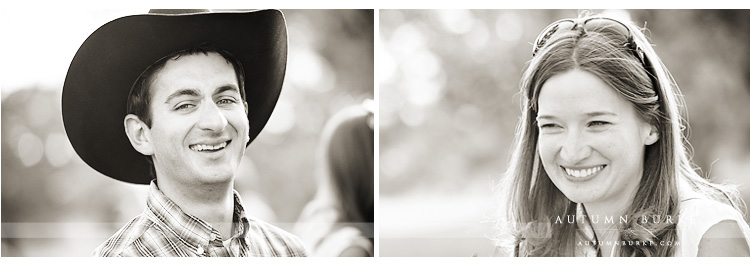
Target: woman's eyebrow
(545, 117)
(601, 113)
(589, 114)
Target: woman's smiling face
(592, 140)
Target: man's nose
(575, 148)
(212, 118)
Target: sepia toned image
(563, 133)
(426, 135)
(198, 133)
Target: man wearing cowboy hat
(173, 101)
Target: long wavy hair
(348, 152)
(532, 201)
(345, 195)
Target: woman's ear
(652, 135)
(139, 134)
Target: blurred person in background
(339, 220)
(601, 166)
(173, 100)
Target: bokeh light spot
(508, 27)
(58, 150)
(412, 116)
(406, 39)
(30, 149)
(309, 70)
(424, 79)
(282, 119)
(457, 21)
(477, 38)
(386, 66)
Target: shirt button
(200, 250)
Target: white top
(697, 215)
(325, 237)
(341, 239)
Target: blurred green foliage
(45, 185)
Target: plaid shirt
(164, 230)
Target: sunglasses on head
(595, 24)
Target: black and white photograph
(431, 134)
(188, 133)
(559, 133)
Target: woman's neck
(606, 218)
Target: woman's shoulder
(696, 209)
(697, 215)
(343, 239)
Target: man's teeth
(583, 172)
(204, 147)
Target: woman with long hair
(339, 220)
(601, 166)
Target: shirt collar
(188, 227)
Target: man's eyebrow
(228, 87)
(183, 92)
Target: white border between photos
(376, 117)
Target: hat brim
(104, 69)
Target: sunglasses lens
(551, 30)
(591, 25)
(605, 24)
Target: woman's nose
(574, 148)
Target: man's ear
(652, 135)
(139, 134)
(247, 137)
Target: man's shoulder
(279, 242)
(125, 238)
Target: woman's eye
(598, 123)
(550, 128)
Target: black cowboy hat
(104, 69)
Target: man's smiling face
(199, 124)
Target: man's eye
(226, 101)
(184, 106)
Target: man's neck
(213, 203)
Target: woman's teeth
(583, 172)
